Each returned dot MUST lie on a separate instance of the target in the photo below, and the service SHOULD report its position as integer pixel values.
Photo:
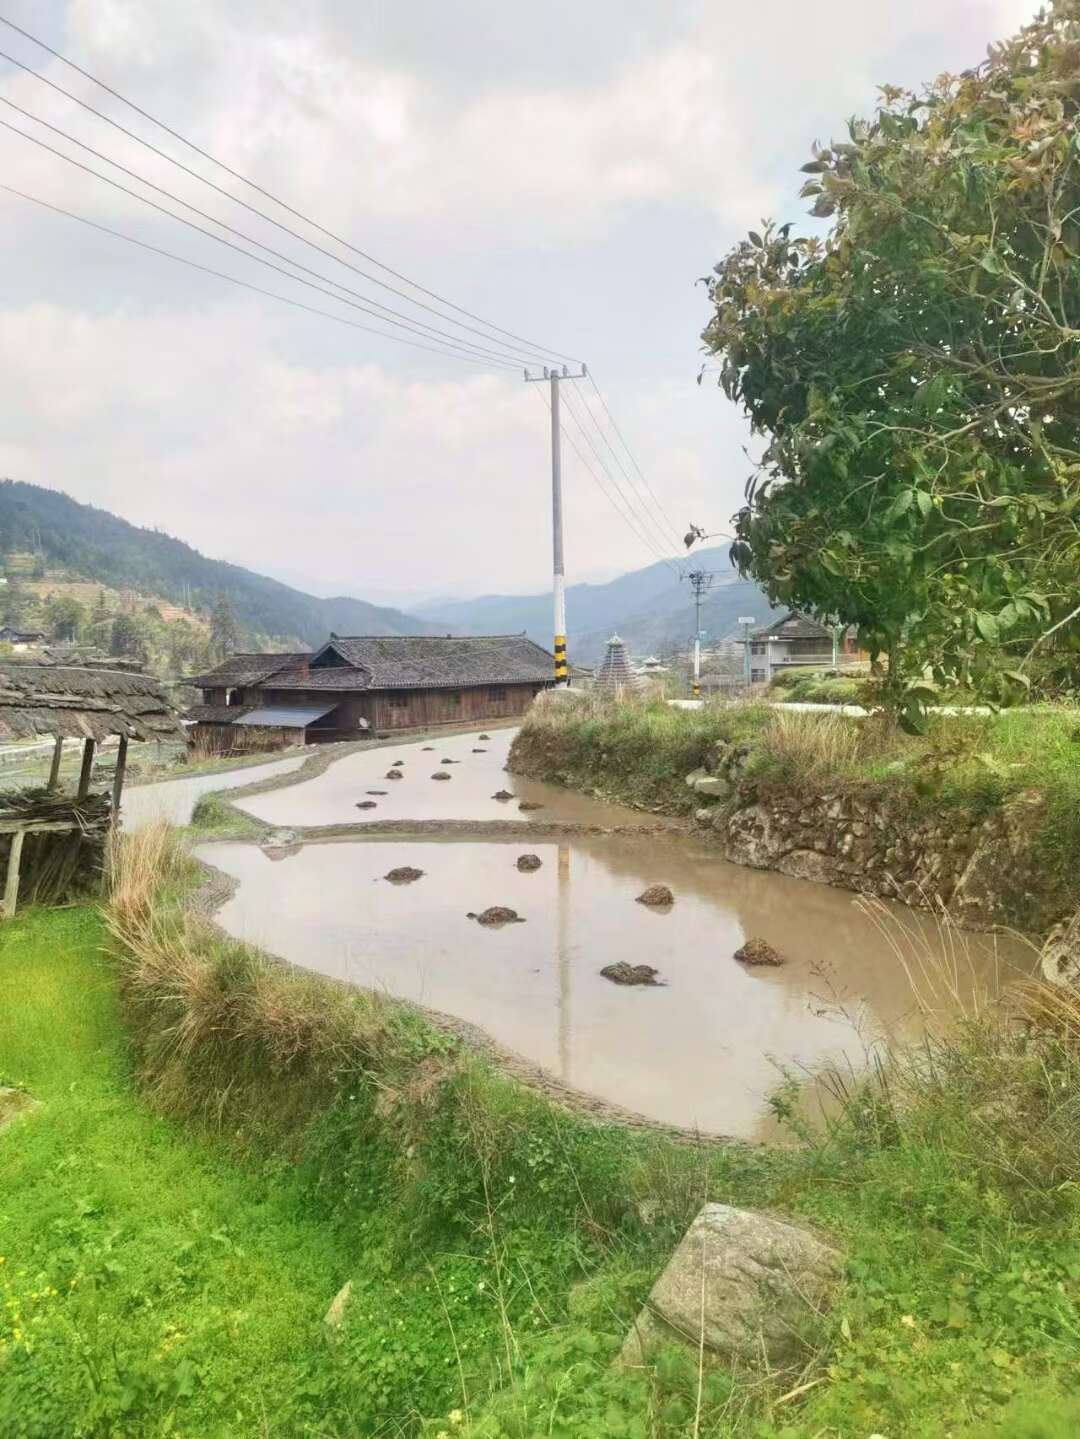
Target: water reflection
(702, 1050)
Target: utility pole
(747, 622)
(700, 580)
(558, 568)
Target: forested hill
(96, 545)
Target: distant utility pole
(747, 622)
(554, 377)
(700, 581)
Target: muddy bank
(983, 865)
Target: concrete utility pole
(747, 622)
(554, 377)
(701, 580)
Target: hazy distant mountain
(96, 545)
(650, 608)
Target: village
(540, 887)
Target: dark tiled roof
(335, 677)
(216, 714)
(239, 670)
(86, 704)
(399, 662)
(795, 626)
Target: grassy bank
(640, 754)
(223, 1143)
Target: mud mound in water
(397, 763)
(528, 862)
(656, 896)
(404, 874)
(378, 791)
(496, 914)
(528, 804)
(366, 804)
(483, 736)
(502, 794)
(623, 973)
(449, 761)
(758, 951)
(440, 774)
(429, 749)
(394, 774)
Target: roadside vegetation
(223, 1143)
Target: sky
(567, 171)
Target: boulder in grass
(440, 774)
(758, 952)
(623, 973)
(394, 774)
(528, 862)
(496, 914)
(657, 896)
(749, 1288)
(404, 874)
(336, 1313)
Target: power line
(299, 214)
(366, 302)
(625, 514)
(414, 328)
(630, 499)
(244, 284)
(633, 460)
(131, 134)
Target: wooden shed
(67, 834)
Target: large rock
(712, 786)
(752, 1285)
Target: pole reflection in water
(562, 940)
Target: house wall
(413, 709)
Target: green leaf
(925, 502)
(900, 506)
(755, 239)
(987, 626)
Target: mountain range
(651, 608)
(93, 544)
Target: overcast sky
(566, 170)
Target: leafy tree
(14, 604)
(65, 617)
(127, 638)
(916, 374)
(224, 630)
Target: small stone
(712, 786)
(429, 747)
(479, 751)
(336, 1313)
(502, 794)
(483, 736)
(449, 761)
(528, 804)
(394, 774)
(440, 774)
(528, 862)
(378, 791)
(757, 951)
(497, 914)
(695, 776)
(14, 1102)
(656, 896)
(404, 874)
(366, 804)
(396, 764)
(623, 973)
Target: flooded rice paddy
(705, 1048)
(332, 798)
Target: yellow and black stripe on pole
(560, 660)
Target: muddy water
(331, 798)
(704, 1049)
(174, 799)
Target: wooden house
(363, 684)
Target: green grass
(223, 1143)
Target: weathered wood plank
(118, 778)
(87, 768)
(11, 886)
(58, 754)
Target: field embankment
(980, 815)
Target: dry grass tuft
(798, 746)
